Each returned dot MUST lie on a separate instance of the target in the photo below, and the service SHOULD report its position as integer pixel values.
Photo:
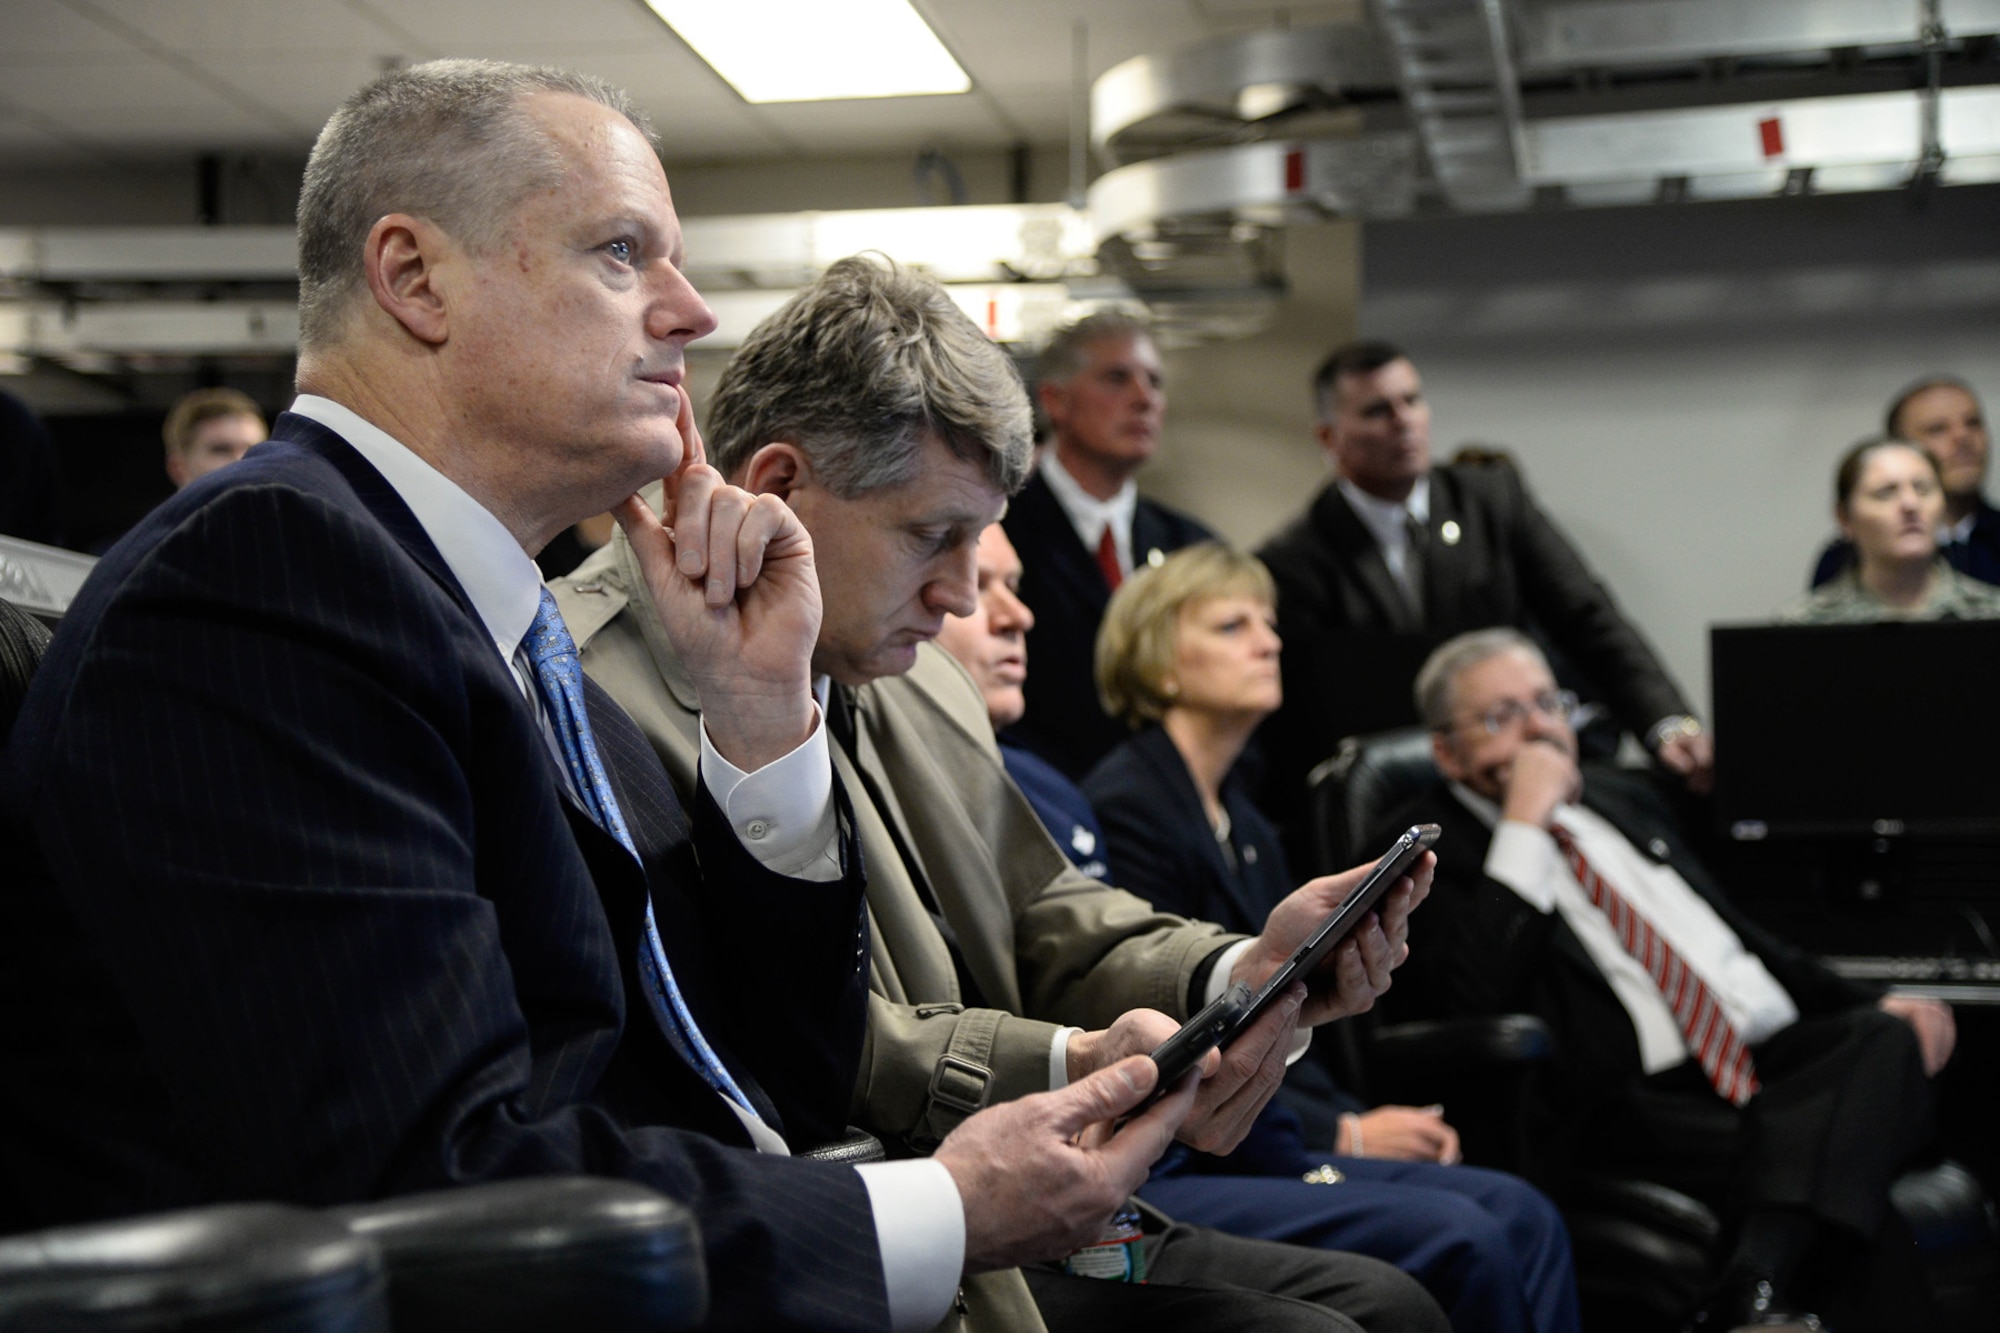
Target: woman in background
(1889, 502)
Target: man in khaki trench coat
(895, 431)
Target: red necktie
(1107, 559)
(1715, 1044)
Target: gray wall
(1675, 382)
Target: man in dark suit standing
(1396, 555)
(1081, 525)
(1941, 415)
(339, 881)
(1693, 1047)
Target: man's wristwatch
(1672, 728)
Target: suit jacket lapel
(1150, 536)
(375, 494)
(1355, 547)
(1042, 519)
(979, 911)
(1156, 748)
(1445, 566)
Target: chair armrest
(1459, 1044)
(226, 1269)
(1645, 1202)
(525, 1256)
(857, 1146)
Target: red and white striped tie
(1714, 1042)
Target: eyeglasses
(1508, 713)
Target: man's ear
(779, 468)
(177, 471)
(1327, 434)
(400, 258)
(1054, 398)
(1446, 756)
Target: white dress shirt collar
(1384, 518)
(1090, 515)
(503, 583)
(1388, 522)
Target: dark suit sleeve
(355, 947)
(1577, 610)
(1475, 947)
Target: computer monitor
(1834, 731)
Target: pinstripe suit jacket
(308, 916)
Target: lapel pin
(1449, 532)
(1156, 557)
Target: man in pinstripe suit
(313, 907)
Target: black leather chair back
(23, 640)
(1361, 785)
(233, 1268)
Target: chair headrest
(1367, 778)
(23, 640)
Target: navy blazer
(1062, 584)
(308, 915)
(1161, 847)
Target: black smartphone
(1341, 921)
(1237, 1008)
(1179, 1054)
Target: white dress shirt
(782, 813)
(1089, 515)
(1387, 521)
(1525, 858)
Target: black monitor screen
(1837, 730)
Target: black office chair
(1643, 1251)
(522, 1256)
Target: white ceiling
(100, 82)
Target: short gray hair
(1436, 689)
(446, 140)
(858, 370)
(1063, 357)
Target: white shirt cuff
(1519, 858)
(1221, 974)
(1219, 981)
(783, 813)
(920, 1226)
(1059, 1058)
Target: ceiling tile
(37, 29)
(888, 123)
(323, 27)
(449, 24)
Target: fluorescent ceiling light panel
(816, 50)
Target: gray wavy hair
(858, 370)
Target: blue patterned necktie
(552, 653)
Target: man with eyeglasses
(1693, 1048)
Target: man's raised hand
(732, 576)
